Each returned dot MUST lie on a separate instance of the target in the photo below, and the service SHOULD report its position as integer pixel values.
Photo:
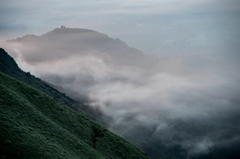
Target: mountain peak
(64, 42)
(66, 30)
(7, 63)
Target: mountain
(171, 107)
(34, 125)
(63, 42)
(10, 67)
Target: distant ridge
(81, 42)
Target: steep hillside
(33, 125)
(10, 67)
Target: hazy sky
(158, 27)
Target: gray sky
(157, 27)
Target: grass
(34, 125)
(10, 67)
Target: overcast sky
(157, 27)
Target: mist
(188, 101)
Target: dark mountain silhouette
(81, 42)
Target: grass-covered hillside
(10, 67)
(34, 125)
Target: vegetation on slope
(33, 125)
(10, 67)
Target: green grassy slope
(33, 125)
(10, 67)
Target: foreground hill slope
(10, 67)
(33, 125)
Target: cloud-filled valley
(188, 104)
